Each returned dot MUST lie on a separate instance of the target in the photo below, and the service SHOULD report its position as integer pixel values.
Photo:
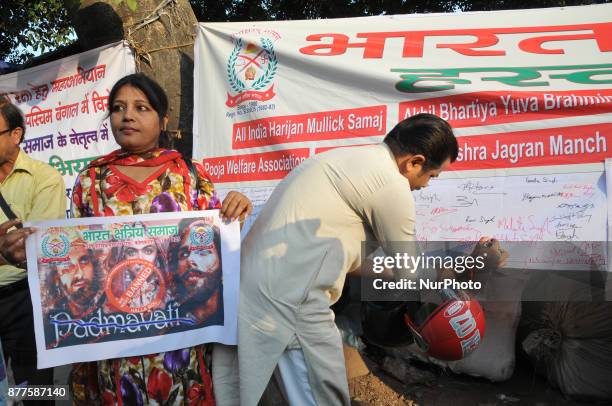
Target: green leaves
(235, 83)
(267, 77)
(30, 27)
(132, 4)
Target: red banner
(488, 108)
(233, 101)
(327, 125)
(550, 146)
(260, 166)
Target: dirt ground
(438, 389)
(442, 389)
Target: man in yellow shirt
(33, 191)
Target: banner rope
(142, 54)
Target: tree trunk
(161, 33)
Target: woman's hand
(236, 206)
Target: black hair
(13, 117)
(424, 134)
(54, 291)
(154, 92)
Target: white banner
(65, 104)
(528, 92)
(114, 287)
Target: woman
(152, 251)
(144, 177)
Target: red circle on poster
(138, 273)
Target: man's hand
(493, 256)
(12, 243)
(236, 206)
(492, 253)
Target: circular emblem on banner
(251, 68)
(201, 236)
(55, 246)
(135, 286)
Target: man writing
(306, 239)
(32, 191)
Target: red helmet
(452, 330)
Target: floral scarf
(176, 377)
(103, 190)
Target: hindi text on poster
(98, 284)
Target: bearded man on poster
(196, 259)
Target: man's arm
(391, 214)
(49, 197)
(49, 203)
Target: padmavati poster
(132, 285)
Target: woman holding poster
(144, 177)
